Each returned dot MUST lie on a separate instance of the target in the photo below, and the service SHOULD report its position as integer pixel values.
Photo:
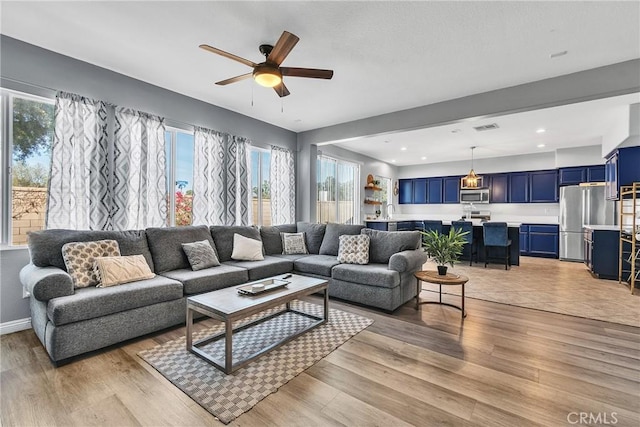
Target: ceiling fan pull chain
(281, 105)
(252, 94)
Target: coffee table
(227, 306)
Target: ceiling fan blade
(283, 46)
(227, 55)
(313, 73)
(281, 90)
(234, 79)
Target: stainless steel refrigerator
(580, 205)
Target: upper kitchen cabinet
(451, 189)
(543, 186)
(420, 191)
(577, 175)
(405, 191)
(622, 168)
(434, 190)
(518, 187)
(499, 185)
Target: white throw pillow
(293, 244)
(354, 249)
(246, 249)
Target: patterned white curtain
(220, 179)
(79, 196)
(140, 189)
(283, 186)
(208, 177)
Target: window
(385, 184)
(260, 187)
(338, 194)
(179, 148)
(27, 135)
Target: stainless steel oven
(476, 195)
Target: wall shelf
(372, 202)
(372, 188)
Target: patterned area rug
(229, 396)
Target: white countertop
(476, 222)
(602, 227)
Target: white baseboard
(15, 326)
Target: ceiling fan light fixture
(267, 76)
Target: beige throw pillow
(354, 249)
(246, 249)
(112, 271)
(80, 256)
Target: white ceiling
(387, 56)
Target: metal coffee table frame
(276, 297)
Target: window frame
(356, 185)
(6, 158)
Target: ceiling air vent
(487, 127)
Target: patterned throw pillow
(116, 270)
(79, 258)
(293, 244)
(201, 255)
(354, 249)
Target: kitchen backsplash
(542, 213)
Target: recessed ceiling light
(423, 158)
(541, 130)
(393, 161)
(403, 149)
(541, 145)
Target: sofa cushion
(354, 249)
(117, 270)
(209, 279)
(371, 274)
(293, 244)
(79, 258)
(270, 266)
(92, 302)
(223, 238)
(316, 264)
(45, 246)
(386, 243)
(201, 255)
(246, 249)
(271, 237)
(291, 257)
(313, 233)
(330, 242)
(165, 244)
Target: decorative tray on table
(262, 286)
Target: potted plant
(444, 248)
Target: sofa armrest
(408, 261)
(45, 283)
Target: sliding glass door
(338, 196)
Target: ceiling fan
(269, 73)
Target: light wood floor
(502, 366)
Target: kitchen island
(513, 230)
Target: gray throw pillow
(293, 244)
(314, 233)
(201, 255)
(330, 242)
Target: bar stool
(428, 225)
(471, 243)
(495, 234)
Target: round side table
(448, 279)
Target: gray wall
(38, 71)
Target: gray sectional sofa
(71, 321)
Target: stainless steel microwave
(476, 195)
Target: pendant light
(471, 180)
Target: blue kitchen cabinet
(382, 226)
(572, 176)
(601, 249)
(419, 191)
(451, 186)
(405, 225)
(405, 191)
(596, 173)
(524, 239)
(434, 190)
(543, 186)
(499, 185)
(519, 187)
(622, 168)
(544, 241)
